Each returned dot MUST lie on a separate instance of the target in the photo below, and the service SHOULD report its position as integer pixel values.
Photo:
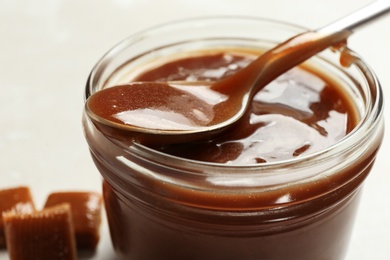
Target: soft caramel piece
(9, 198)
(46, 234)
(86, 213)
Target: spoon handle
(357, 19)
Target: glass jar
(165, 207)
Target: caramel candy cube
(46, 234)
(8, 199)
(86, 214)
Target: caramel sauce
(208, 105)
(300, 112)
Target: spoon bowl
(163, 118)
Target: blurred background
(48, 47)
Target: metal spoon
(176, 112)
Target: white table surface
(48, 47)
